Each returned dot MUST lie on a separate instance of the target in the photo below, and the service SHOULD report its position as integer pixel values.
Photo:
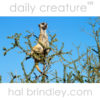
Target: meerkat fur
(41, 45)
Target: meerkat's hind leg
(37, 67)
(38, 48)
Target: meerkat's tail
(37, 67)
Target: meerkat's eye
(43, 23)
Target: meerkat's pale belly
(44, 40)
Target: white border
(93, 10)
(77, 91)
(92, 7)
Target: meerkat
(41, 46)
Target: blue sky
(68, 30)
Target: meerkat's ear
(39, 25)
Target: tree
(49, 60)
(84, 69)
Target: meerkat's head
(43, 26)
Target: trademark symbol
(90, 2)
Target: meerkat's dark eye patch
(43, 23)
